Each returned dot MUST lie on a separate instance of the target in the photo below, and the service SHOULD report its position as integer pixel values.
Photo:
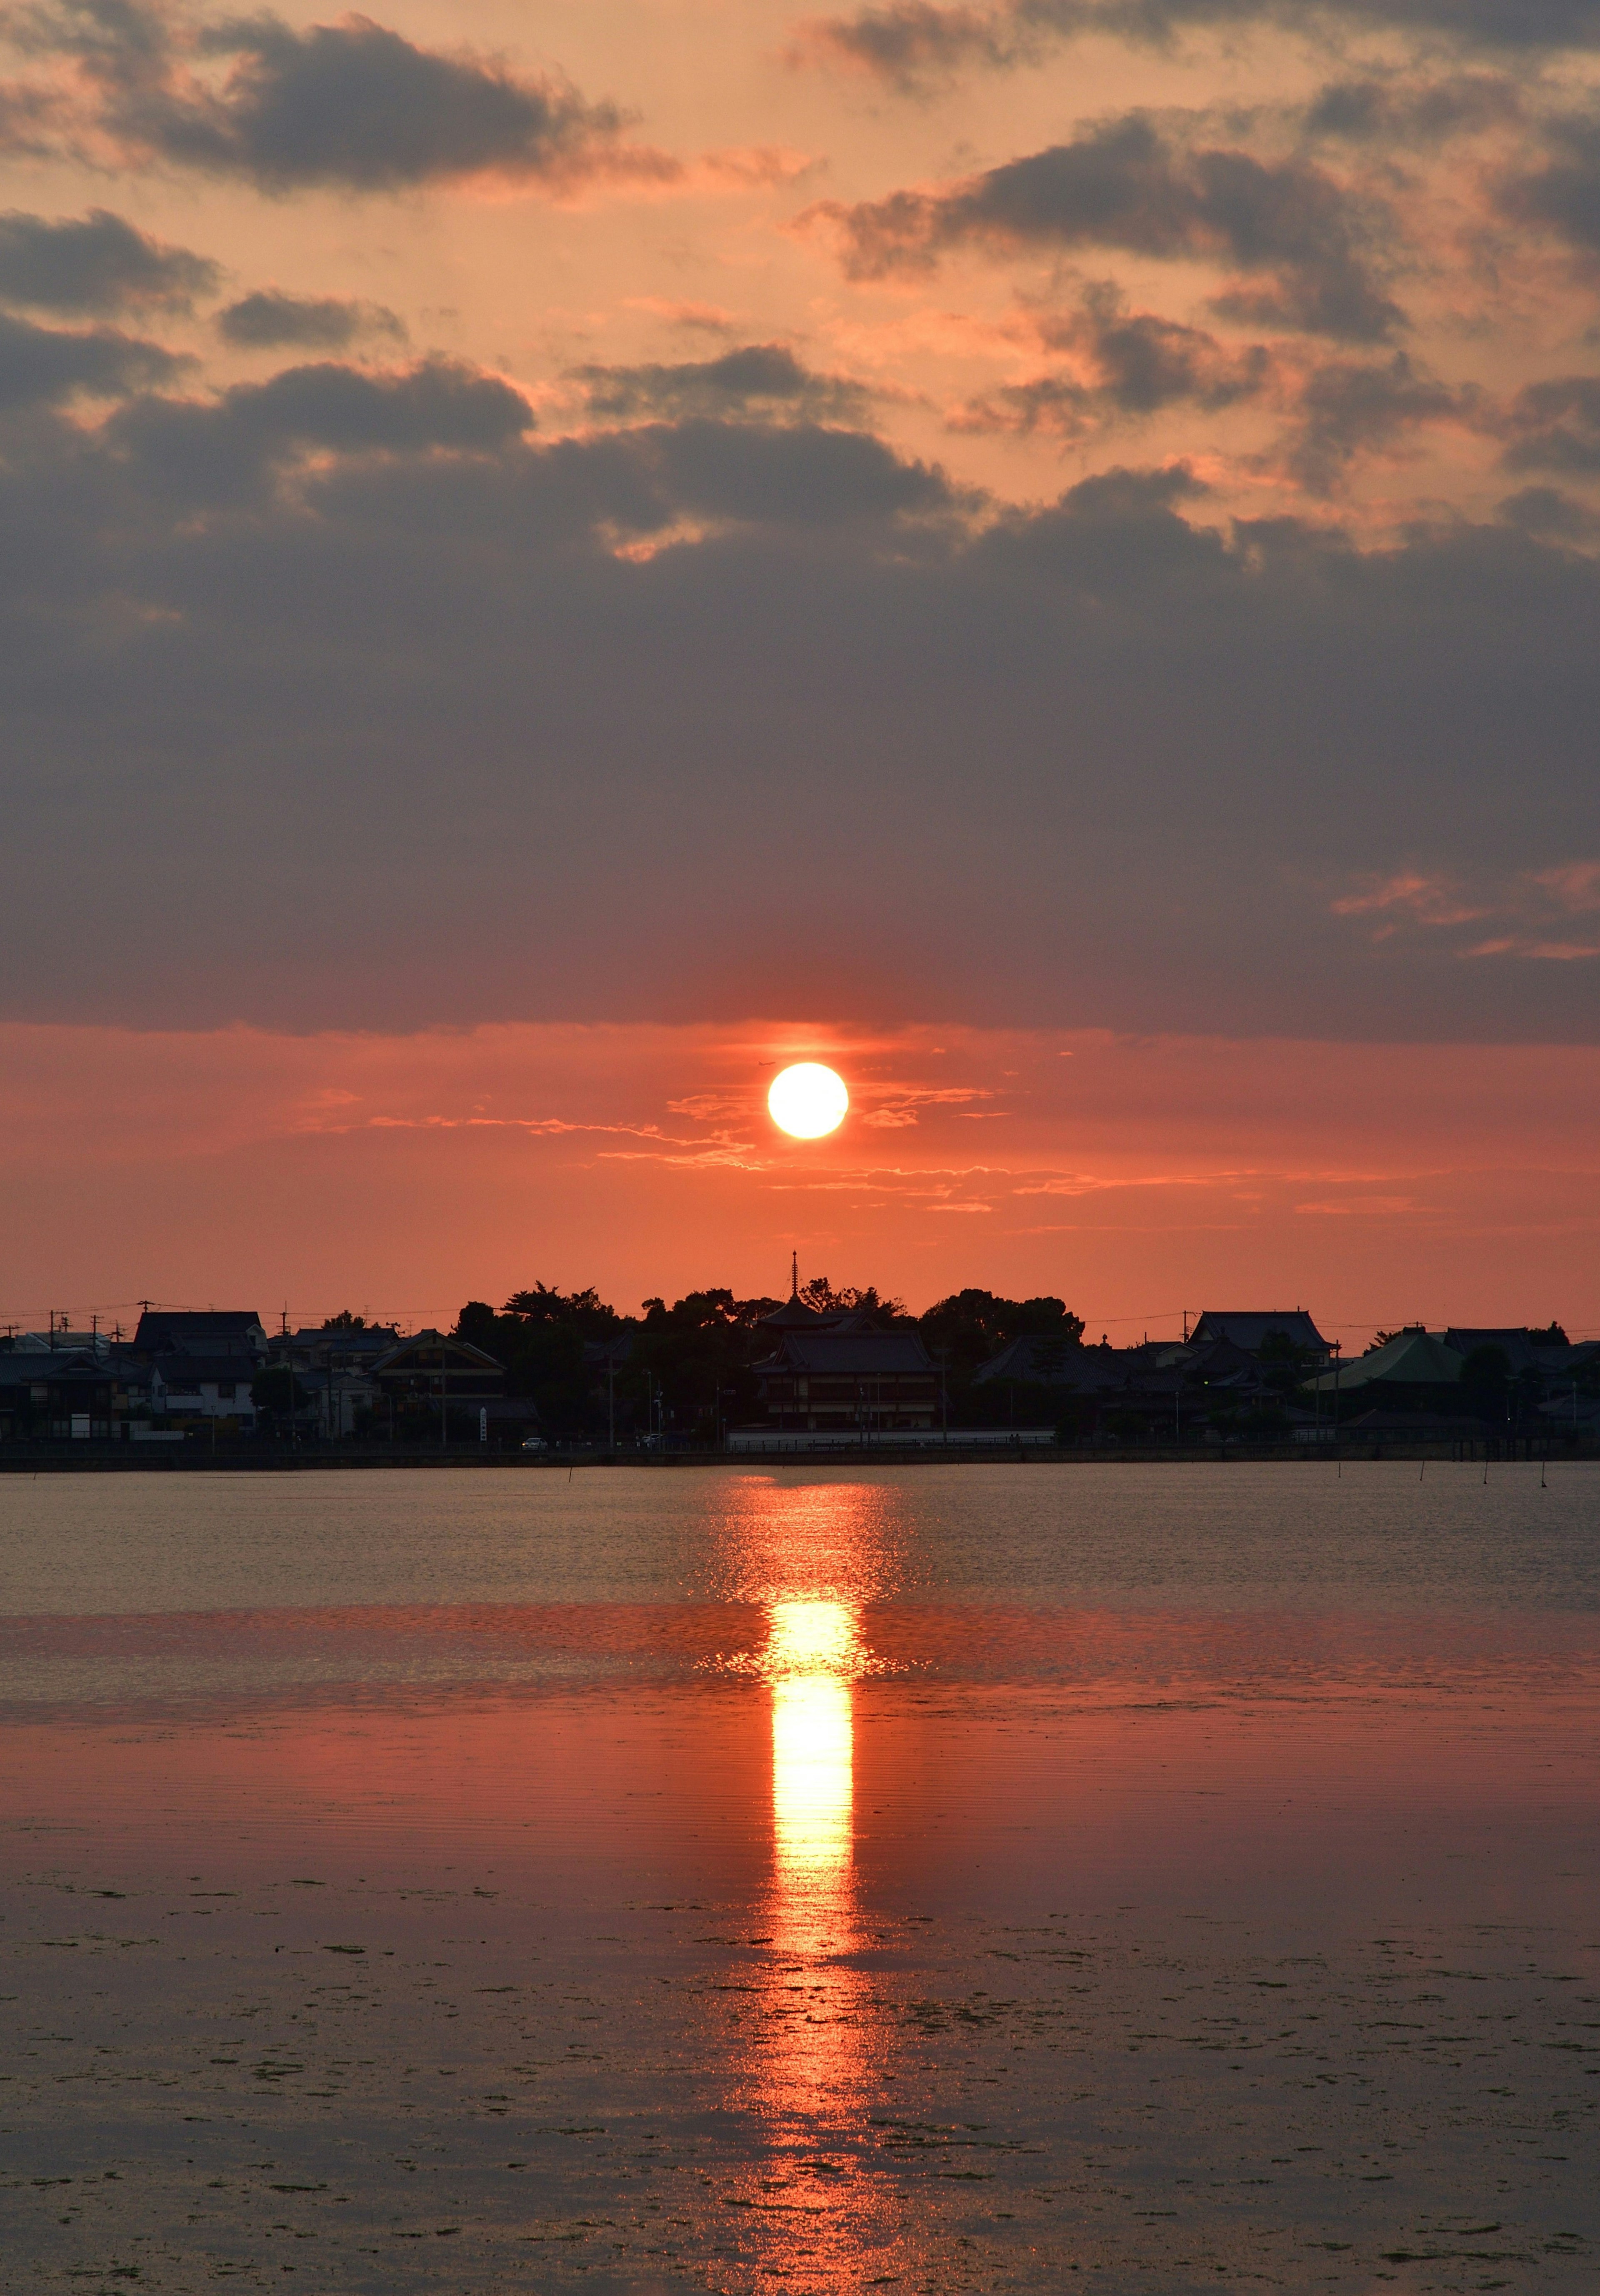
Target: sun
(807, 1099)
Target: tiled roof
(1248, 1328)
(855, 1354)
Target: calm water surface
(1012, 1878)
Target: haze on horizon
(1042, 551)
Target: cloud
(1345, 408)
(913, 44)
(1554, 426)
(1528, 902)
(1124, 366)
(42, 367)
(1128, 182)
(351, 104)
(713, 718)
(1547, 513)
(1564, 194)
(1411, 111)
(764, 378)
(1426, 899)
(95, 263)
(219, 450)
(269, 319)
(1573, 885)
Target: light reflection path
(821, 2218)
(811, 1652)
(813, 2060)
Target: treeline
(688, 1369)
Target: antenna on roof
(794, 1276)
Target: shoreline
(112, 1459)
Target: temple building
(841, 1374)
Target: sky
(1044, 551)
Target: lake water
(1022, 1877)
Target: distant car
(534, 1443)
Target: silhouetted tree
(830, 1299)
(964, 1331)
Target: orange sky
(1044, 547)
(1133, 1176)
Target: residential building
(60, 1341)
(54, 1393)
(436, 1387)
(187, 1331)
(204, 1388)
(333, 1347)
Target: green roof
(1411, 1359)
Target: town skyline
(565, 554)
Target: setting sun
(808, 1099)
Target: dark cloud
(911, 44)
(352, 104)
(1128, 184)
(268, 320)
(1545, 511)
(708, 718)
(1346, 408)
(1554, 426)
(762, 378)
(95, 263)
(223, 450)
(1127, 365)
(797, 476)
(44, 366)
(1407, 111)
(1564, 194)
(1142, 363)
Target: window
(225, 1389)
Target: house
(60, 1341)
(196, 1387)
(333, 1347)
(1040, 1361)
(184, 1332)
(54, 1393)
(1251, 1330)
(332, 1366)
(1165, 1383)
(438, 1387)
(1527, 1353)
(839, 1375)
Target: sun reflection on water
(812, 1646)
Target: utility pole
(611, 1395)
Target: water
(969, 1878)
